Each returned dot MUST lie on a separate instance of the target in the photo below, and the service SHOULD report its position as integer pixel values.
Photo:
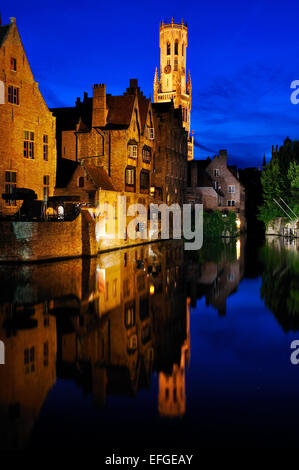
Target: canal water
(152, 349)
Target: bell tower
(173, 83)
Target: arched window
(81, 182)
(168, 48)
(183, 49)
(176, 47)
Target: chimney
(223, 155)
(99, 108)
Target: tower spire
(156, 85)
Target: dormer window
(13, 64)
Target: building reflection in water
(218, 274)
(106, 323)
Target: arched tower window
(176, 47)
(168, 48)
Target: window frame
(28, 151)
(132, 171)
(9, 183)
(46, 147)
(13, 95)
(143, 188)
(231, 201)
(13, 64)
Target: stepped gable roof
(143, 102)
(3, 33)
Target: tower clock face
(167, 69)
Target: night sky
(243, 56)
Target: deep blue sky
(243, 55)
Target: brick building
(113, 132)
(27, 127)
(170, 166)
(216, 185)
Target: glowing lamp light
(152, 190)
(238, 222)
(238, 246)
(152, 289)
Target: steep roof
(3, 33)
(143, 110)
(99, 177)
(120, 111)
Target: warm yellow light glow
(152, 190)
(238, 246)
(152, 289)
(238, 222)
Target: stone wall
(34, 241)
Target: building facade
(170, 166)
(217, 186)
(27, 127)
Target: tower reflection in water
(106, 323)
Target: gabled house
(27, 127)
(217, 186)
(113, 132)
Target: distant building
(174, 84)
(27, 127)
(217, 186)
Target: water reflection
(110, 324)
(280, 280)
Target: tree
(279, 180)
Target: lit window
(130, 315)
(130, 176)
(13, 95)
(45, 147)
(13, 64)
(28, 144)
(10, 186)
(132, 151)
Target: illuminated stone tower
(174, 83)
